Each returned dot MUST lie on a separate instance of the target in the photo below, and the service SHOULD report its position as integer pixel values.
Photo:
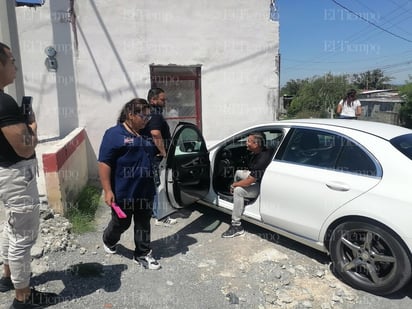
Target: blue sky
(319, 36)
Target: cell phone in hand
(26, 108)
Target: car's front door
(187, 170)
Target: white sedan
(340, 186)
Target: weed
(81, 215)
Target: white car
(341, 186)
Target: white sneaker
(147, 261)
(166, 222)
(110, 250)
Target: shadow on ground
(265, 234)
(82, 279)
(180, 241)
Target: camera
(26, 108)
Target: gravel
(199, 269)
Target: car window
(404, 144)
(328, 150)
(273, 139)
(312, 147)
(234, 155)
(189, 141)
(354, 160)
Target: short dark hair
(153, 92)
(260, 138)
(3, 56)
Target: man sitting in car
(247, 182)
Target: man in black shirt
(247, 182)
(158, 130)
(18, 192)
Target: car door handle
(196, 172)
(193, 162)
(338, 186)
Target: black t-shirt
(158, 122)
(258, 164)
(10, 114)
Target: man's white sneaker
(166, 222)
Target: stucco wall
(233, 40)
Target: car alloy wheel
(369, 257)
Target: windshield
(404, 144)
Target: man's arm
(249, 180)
(22, 137)
(257, 169)
(158, 141)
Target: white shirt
(347, 110)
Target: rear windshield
(404, 144)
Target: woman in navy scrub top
(126, 175)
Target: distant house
(381, 105)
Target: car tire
(369, 257)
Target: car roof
(384, 130)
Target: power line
(388, 20)
(373, 24)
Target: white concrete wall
(233, 40)
(35, 33)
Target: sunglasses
(144, 117)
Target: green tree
(317, 97)
(293, 87)
(371, 80)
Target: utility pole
(9, 35)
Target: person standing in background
(349, 107)
(159, 131)
(18, 193)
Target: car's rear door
(187, 168)
(315, 173)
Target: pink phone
(118, 211)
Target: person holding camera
(18, 191)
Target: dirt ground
(199, 270)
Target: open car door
(187, 168)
